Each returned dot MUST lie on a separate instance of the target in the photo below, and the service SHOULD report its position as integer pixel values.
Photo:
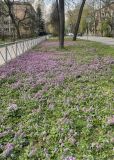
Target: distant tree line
(58, 19)
(87, 16)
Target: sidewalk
(104, 40)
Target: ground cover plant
(58, 104)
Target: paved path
(104, 40)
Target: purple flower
(16, 85)
(38, 110)
(8, 149)
(2, 134)
(19, 134)
(32, 152)
(110, 120)
(12, 107)
(51, 106)
(70, 158)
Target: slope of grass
(58, 105)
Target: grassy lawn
(5, 41)
(58, 105)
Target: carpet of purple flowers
(58, 105)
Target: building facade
(6, 26)
(104, 21)
(24, 14)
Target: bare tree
(76, 28)
(9, 9)
(61, 6)
(54, 19)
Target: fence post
(27, 45)
(30, 43)
(16, 48)
(6, 57)
(23, 46)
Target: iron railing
(9, 51)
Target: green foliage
(72, 16)
(54, 20)
(40, 21)
(105, 28)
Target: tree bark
(76, 28)
(57, 4)
(62, 23)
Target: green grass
(76, 125)
(6, 40)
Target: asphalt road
(104, 40)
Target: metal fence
(11, 50)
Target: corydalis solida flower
(47, 69)
(110, 120)
(70, 158)
(8, 149)
(12, 107)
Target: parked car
(80, 34)
(69, 34)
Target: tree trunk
(16, 26)
(76, 28)
(62, 23)
(57, 4)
